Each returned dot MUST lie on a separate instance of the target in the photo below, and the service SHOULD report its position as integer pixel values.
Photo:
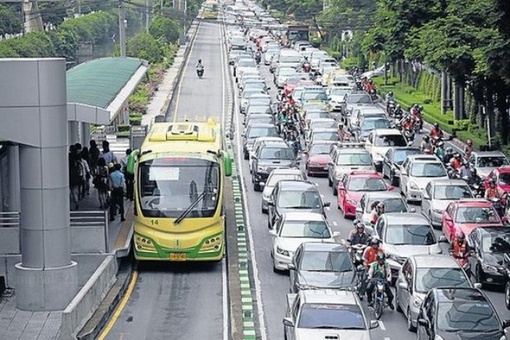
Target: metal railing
(91, 219)
(9, 219)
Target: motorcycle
(200, 72)
(373, 95)
(417, 125)
(390, 108)
(379, 297)
(258, 58)
(357, 251)
(499, 204)
(463, 261)
(307, 67)
(409, 134)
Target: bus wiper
(190, 208)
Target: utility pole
(122, 29)
(147, 12)
(161, 7)
(182, 10)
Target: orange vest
(459, 250)
(371, 254)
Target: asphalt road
(184, 301)
(274, 287)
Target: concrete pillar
(14, 185)
(33, 19)
(34, 114)
(74, 134)
(85, 134)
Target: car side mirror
(374, 324)
(403, 285)
(359, 210)
(291, 266)
(423, 322)
(403, 172)
(272, 232)
(426, 196)
(506, 323)
(410, 143)
(262, 184)
(412, 210)
(391, 187)
(336, 234)
(288, 322)
(442, 238)
(270, 203)
(478, 285)
(327, 204)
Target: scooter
(200, 72)
(379, 297)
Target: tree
(165, 29)
(10, 21)
(145, 46)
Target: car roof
(458, 294)
(488, 153)
(380, 132)
(473, 202)
(458, 182)
(491, 229)
(433, 261)
(365, 173)
(423, 158)
(260, 125)
(296, 184)
(405, 218)
(303, 216)
(382, 195)
(328, 296)
(323, 246)
(503, 169)
(322, 129)
(284, 171)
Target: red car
(467, 214)
(354, 185)
(317, 158)
(502, 177)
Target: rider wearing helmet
(389, 99)
(358, 235)
(448, 156)
(439, 150)
(459, 248)
(342, 134)
(398, 111)
(436, 131)
(493, 191)
(370, 254)
(199, 64)
(378, 270)
(469, 146)
(456, 161)
(377, 210)
(426, 145)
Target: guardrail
(89, 232)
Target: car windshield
(256, 132)
(390, 140)
(428, 170)
(248, 93)
(273, 179)
(315, 96)
(295, 79)
(410, 234)
(504, 179)
(366, 184)
(390, 205)
(254, 86)
(476, 215)
(323, 124)
(335, 91)
(492, 162)
(358, 99)
(305, 229)
(331, 316)
(399, 156)
(325, 135)
(246, 62)
(258, 109)
(350, 159)
(285, 153)
(320, 149)
(317, 114)
(468, 316)
(496, 242)
(331, 261)
(316, 106)
(452, 192)
(372, 124)
(285, 72)
(428, 278)
(308, 199)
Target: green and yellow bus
(180, 172)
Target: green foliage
(52, 12)
(164, 29)
(10, 21)
(145, 46)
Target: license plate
(325, 168)
(177, 256)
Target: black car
(392, 161)
(321, 265)
(267, 159)
(459, 313)
(489, 245)
(255, 131)
(291, 195)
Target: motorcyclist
(448, 156)
(459, 248)
(380, 270)
(389, 99)
(439, 151)
(456, 161)
(407, 123)
(426, 145)
(342, 134)
(469, 146)
(398, 111)
(436, 131)
(466, 172)
(377, 211)
(199, 65)
(258, 56)
(358, 235)
(370, 254)
(493, 191)
(415, 112)
(291, 101)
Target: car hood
(407, 250)
(470, 335)
(422, 182)
(275, 162)
(337, 98)
(467, 228)
(282, 211)
(441, 204)
(326, 279)
(494, 259)
(322, 159)
(292, 243)
(484, 172)
(321, 334)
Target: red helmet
(460, 236)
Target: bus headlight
(144, 244)
(212, 244)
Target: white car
(258, 143)
(393, 202)
(336, 96)
(282, 76)
(275, 176)
(486, 161)
(439, 194)
(403, 235)
(294, 228)
(379, 141)
(416, 172)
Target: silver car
(421, 273)
(393, 203)
(486, 161)
(439, 194)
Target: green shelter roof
(98, 82)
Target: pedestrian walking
(117, 181)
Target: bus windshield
(168, 186)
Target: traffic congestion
(363, 211)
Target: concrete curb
(247, 298)
(99, 319)
(88, 298)
(195, 26)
